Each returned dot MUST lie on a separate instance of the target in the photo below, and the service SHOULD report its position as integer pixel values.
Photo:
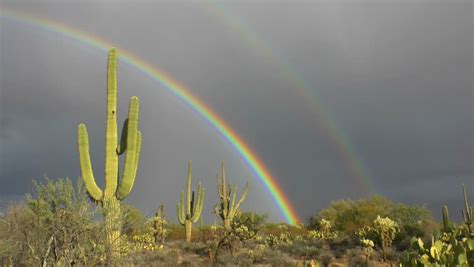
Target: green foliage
(386, 230)
(227, 208)
(133, 221)
(274, 241)
(454, 247)
(244, 228)
(323, 231)
(251, 220)
(446, 251)
(347, 216)
(115, 188)
(55, 227)
(159, 225)
(382, 232)
(190, 211)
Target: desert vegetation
(63, 223)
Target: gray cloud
(396, 77)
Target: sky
(339, 99)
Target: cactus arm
(188, 189)
(137, 156)
(446, 222)
(219, 187)
(199, 204)
(198, 211)
(123, 138)
(111, 157)
(192, 204)
(217, 210)
(224, 191)
(232, 204)
(180, 209)
(242, 198)
(126, 185)
(86, 167)
(468, 215)
(130, 168)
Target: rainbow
(346, 150)
(179, 90)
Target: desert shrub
(326, 258)
(347, 216)
(340, 245)
(356, 257)
(160, 257)
(176, 232)
(275, 241)
(260, 255)
(304, 249)
(197, 248)
(292, 231)
(323, 231)
(133, 221)
(53, 227)
(251, 219)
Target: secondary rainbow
(179, 90)
(353, 161)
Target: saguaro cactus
(115, 189)
(228, 209)
(447, 226)
(193, 207)
(467, 211)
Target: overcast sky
(394, 77)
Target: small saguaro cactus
(447, 226)
(467, 211)
(227, 208)
(190, 211)
(116, 189)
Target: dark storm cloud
(396, 77)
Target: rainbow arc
(178, 89)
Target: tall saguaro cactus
(116, 189)
(228, 209)
(193, 206)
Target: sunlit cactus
(467, 211)
(190, 211)
(115, 189)
(227, 208)
(447, 226)
(159, 225)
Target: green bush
(347, 216)
(53, 227)
(133, 221)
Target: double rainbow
(353, 161)
(179, 90)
